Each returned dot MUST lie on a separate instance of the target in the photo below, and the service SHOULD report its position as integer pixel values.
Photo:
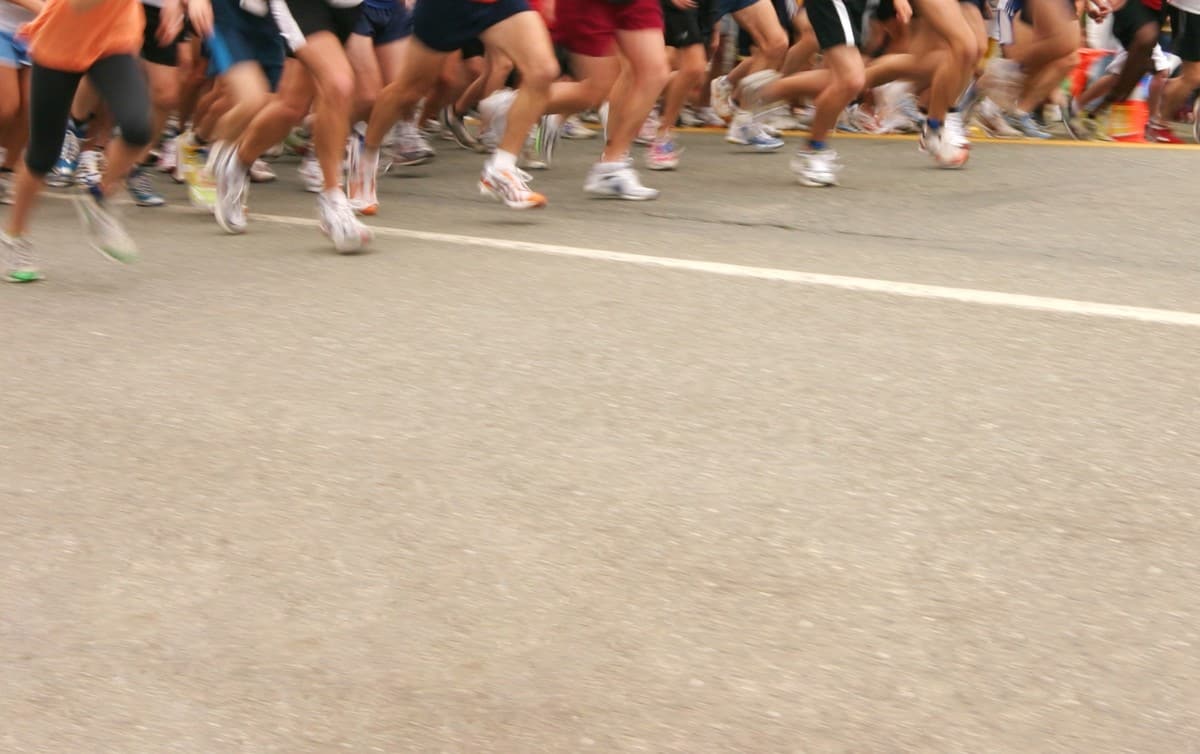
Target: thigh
(122, 85)
(50, 97)
(524, 39)
(758, 20)
(360, 52)
(152, 50)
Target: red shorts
(589, 27)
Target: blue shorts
(725, 7)
(242, 37)
(447, 25)
(13, 52)
(384, 25)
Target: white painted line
(842, 282)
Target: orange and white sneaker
(510, 186)
(361, 174)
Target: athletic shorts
(384, 25)
(784, 9)
(836, 22)
(13, 52)
(1132, 16)
(152, 51)
(448, 25)
(727, 7)
(684, 28)
(1185, 28)
(243, 37)
(589, 27)
(300, 19)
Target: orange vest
(65, 39)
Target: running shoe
(590, 116)
(573, 128)
(1026, 126)
(63, 173)
(91, 166)
(748, 132)
(453, 124)
(816, 168)
(361, 177)
(8, 183)
(1089, 127)
(1156, 133)
(141, 188)
(510, 187)
(856, 120)
(311, 174)
(991, 119)
(411, 147)
(649, 130)
(191, 156)
(543, 141)
(232, 182)
(105, 231)
(298, 141)
(663, 154)
(752, 91)
(708, 118)
(721, 97)
(262, 172)
(941, 145)
(617, 180)
(20, 259)
(956, 130)
(168, 154)
(688, 117)
(202, 186)
(493, 111)
(337, 221)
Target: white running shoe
(91, 166)
(262, 172)
(991, 119)
(816, 168)
(168, 155)
(20, 259)
(339, 223)
(411, 148)
(942, 147)
(617, 180)
(232, 183)
(311, 175)
(493, 111)
(709, 118)
(361, 177)
(104, 230)
(721, 97)
(573, 128)
(745, 130)
(510, 187)
(8, 181)
(649, 130)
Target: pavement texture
(257, 497)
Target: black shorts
(1132, 16)
(1185, 34)
(836, 22)
(384, 25)
(152, 51)
(300, 19)
(694, 26)
(448, 25)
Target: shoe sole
(489, 191)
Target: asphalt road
(447, 497)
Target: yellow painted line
(1057, 142)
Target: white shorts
(1000, 25)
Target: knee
(540, 75)
(165, 97)
(693, 71)
(775, 46)
(338, 88)
(1144, 41)
(655, 75)
(853, 83)
(135, 131)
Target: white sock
(502, 160)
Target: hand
(170, 22)
(201, 15)
(684, 4)
(1098, 10)
(903, 11)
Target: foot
(721, 97)
(494, 112)
(942, 147)
(262, 172)
(105, 231)
(663, 154)
(232, 180)
(63, 173)
(1024, 124)
(411, 147)
(20, 260)
(748, 132)
(816, 168)
(510, 186)
(453, 124)
(337, 221)
(617, 180)
(361, 174)
(141, 188)
(311, 174)
(573, 128)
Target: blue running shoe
(141, 188)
